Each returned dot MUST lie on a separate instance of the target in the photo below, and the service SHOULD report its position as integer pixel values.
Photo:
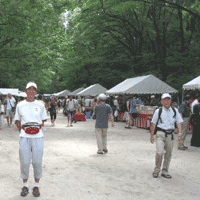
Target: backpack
(159, 117)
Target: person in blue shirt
(133, 108)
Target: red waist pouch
(31, 129)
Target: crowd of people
(123, 108)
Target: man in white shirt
(88, 102)
(195, 102)
(165, 119)
(30, 116)
(9, 112)
(71, 109)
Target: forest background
(97, 41)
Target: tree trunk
(181, 31)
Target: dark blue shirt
(102, 111)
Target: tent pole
(178, 100)
(182, 94)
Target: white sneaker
(67, 125)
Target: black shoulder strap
(159, 114)
(174, 111)
(10, 103)
(160, 111)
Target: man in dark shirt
(102, 111)
(184, 110)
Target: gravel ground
(73, 170)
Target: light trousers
(101, 135)
(31, 147)
(164, 146)
(184, 131)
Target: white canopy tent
(47, 95)
(93, 90)
(12, 91)
(193, 84)
(75, 92)
(22, 94)
(142, 85)
(62, 93)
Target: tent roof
(47, 95)
(75, 92)
(93, 90)
(63, 93)
(193, 84)
(142, 85)
(22, 94)
(13, 91)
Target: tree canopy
(105, 42)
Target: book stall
(145, 114)
(147, 84)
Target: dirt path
(72, 170)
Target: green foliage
(106, 41)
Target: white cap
(165, 95)
(31, 84)
(102, 97)
(116, 97)
(152, 96)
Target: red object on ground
(80, 117)
(143, 122)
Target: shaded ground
(72, 169)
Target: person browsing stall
(185, 114)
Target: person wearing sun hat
(29, 117)
(163, 122)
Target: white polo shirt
(30, 112)
(167, 117)
(10, 102)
